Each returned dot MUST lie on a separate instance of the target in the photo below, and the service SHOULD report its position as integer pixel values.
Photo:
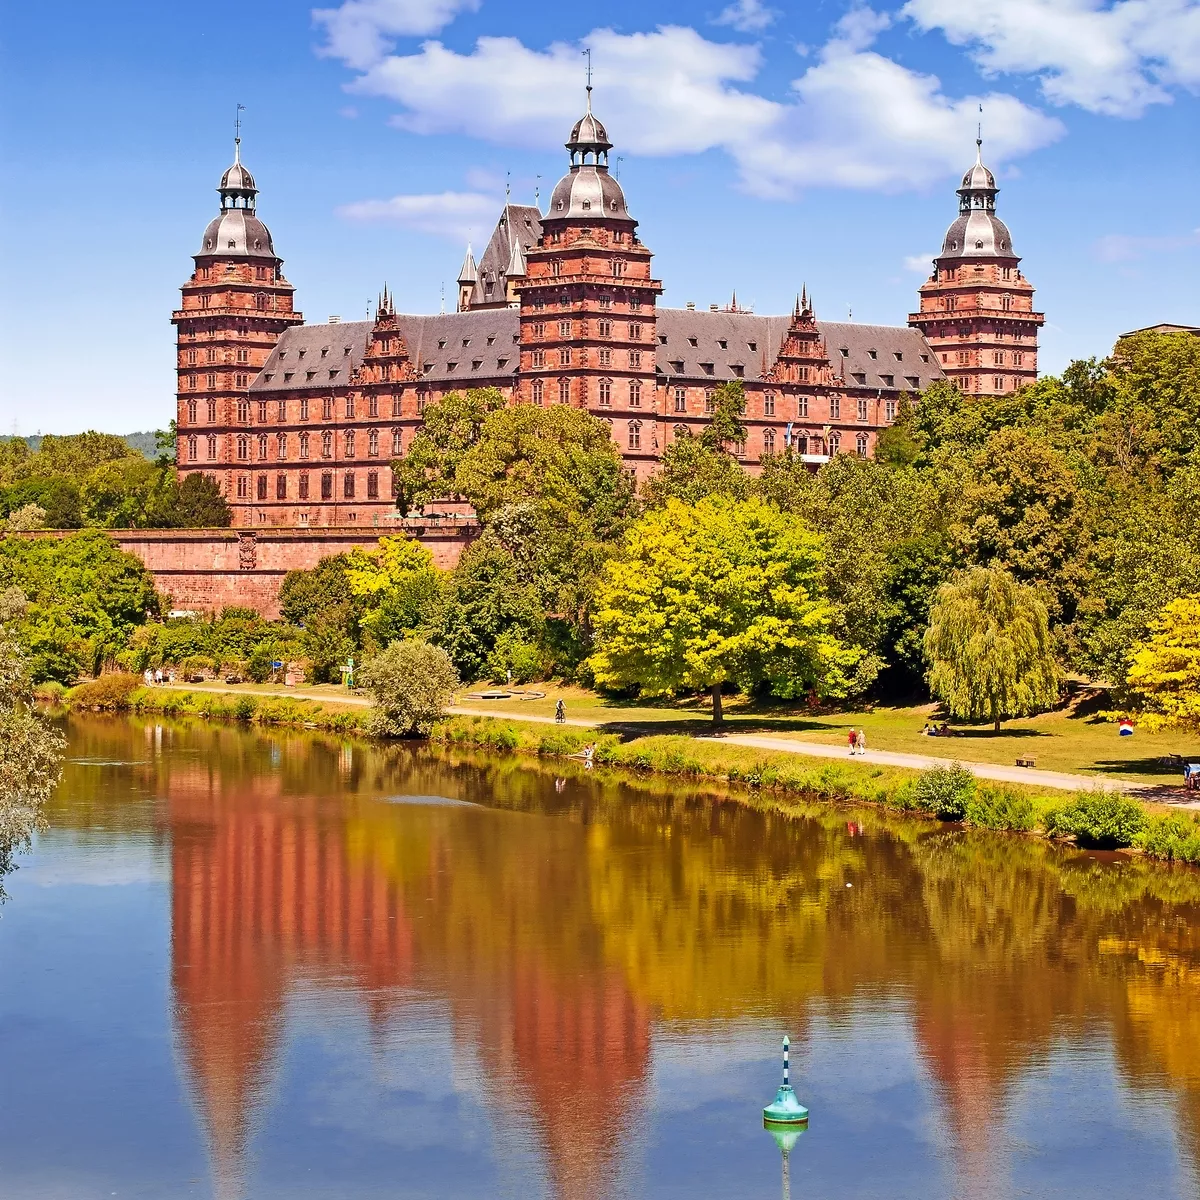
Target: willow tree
(717, 592)
(30, 750)
(989, 648)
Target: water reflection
(567, 927)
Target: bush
(1105, 820)
(1175, 838)
(945, 791)
(108, 692)
(513, 653)
(196, 667)
(1000, 808)
(412, 682)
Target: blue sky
(763, 145)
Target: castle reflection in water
(566, 928)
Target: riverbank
(1093, 818)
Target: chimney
(333, 320)
(714, 308)
(691, 306)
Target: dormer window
(476, 363)
(723, 343)
(491, 341)
(303, 353)
(451, 366)
(345, 351)
(872, 353)
(442, 344)
(324, 351)
(707, 367)
(752, 346)
(844, 352)
(283, 354)
(466, 341)
(896, 354)
(693, 342)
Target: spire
(237, 187)
(469, 272)
(516, 260)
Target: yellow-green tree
(717, 592)
(1166, 667)
(989, 648)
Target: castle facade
(299, 423)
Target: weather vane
(237, 123)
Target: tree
(30, 748)
(897, 444)
(725, 426)
(718, 592)
(201, 504)
(412, 683)
(690, 469)
(323, 603)
(989, 648)
(1165, 672)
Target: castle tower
(977, 308)
(234, 307)
(587, 300)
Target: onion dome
(588, 190)
(236, 229)
(977, 232)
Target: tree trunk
(716, 701)
(996, 725)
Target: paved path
(884, 758)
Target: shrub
(1106, 820)
(196, 667)
(108, 692)
(945, 791)
(411, 682)
(1000, 808)
(513, 653)
(1174, 837)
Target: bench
(1026, 761)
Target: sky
(762, 144)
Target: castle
(298, 423)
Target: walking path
(1056, 780)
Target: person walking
(862, 741)
(852, 738)
(560, 712)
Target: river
(253, 964)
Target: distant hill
(142, 442)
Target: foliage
(1174, 837)
(718, 592)
(514, 659)
(692, 469)
(945, 791)
(200, 504)
(106, 692)
(725, 426)
(24, 519)
(989, 648)
(1102, 819)
(1166, 668)
(412, 683)
(1000, 808)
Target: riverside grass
(1089, 817)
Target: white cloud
(1111, 58)
(463, 216)
(919, 264)
(361, 32)
(1120, 247)
(747, 16)
(853, 119)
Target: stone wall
(204, 570)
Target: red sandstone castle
(298, 423)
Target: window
(373, 406)
(304, 409)
(802, 406)
(212, 447)
(349, 443)
(210, 381)
(260, 302)
(243, 448)
(326, 485)
(262, 412)
(212, 412)
(739, 448)
(709, 403)
(605, 393)
(327, 409)
(243, 487)
(564, 391)
(210, 355)
(327, 444)
(280, 486)
(349, 408)
(191, 358)
(618, 267)
(605, 328)
(191, 383)
(913, 382)
(539, 329)
(635, 393)
(769, 404)
(680, 431)
(835, 442)
(564, 329)
(859, 377)
(538, 391)
(835, 407)
(635, 359)
(564, 356)
(304, 445)
(635, 332)
(605, 356)
(635, 435)
(262, 447)
(888, 380)
(302, 485)
(191, 412)
(262, 487)
(768, 441)
(538, 358)
(348, 486)
(372, 485)
(241, 381)
(681, 399)
(193, 451)
(373, 444)
(862, 410)
(999, 383)
(281, 410)
(860, 445)
(889, 410)
(422, 400)
(281, 446)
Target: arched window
(768, 441)
(348, 486)
(635, 393)
(191, 412)
(373, 443)
(397, 442)
(635, 435)
(262, 447)
(606, 393)
(860, 445)
(327, 444)
(681, 431)
(564, 391)
(538, 391)
(243, 448)
(349, 443)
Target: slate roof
(523, 220)
(482, 344)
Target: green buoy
(785, 1111)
